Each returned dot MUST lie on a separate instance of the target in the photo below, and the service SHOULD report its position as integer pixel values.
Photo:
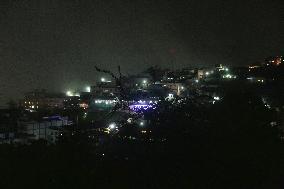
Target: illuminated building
(40, 99)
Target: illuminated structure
(104, 88)
(274, 61)
(40, 99)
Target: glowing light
(216, 98)
(129, 120)
(141, 123)
(206, 73)
(226, 69)
(171, 95)
(112, 126)
(88, 89)
(103, 79)
(69, 93)
(138, 107)
(196, 81)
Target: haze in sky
(54, 44)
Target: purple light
(137, 107)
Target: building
(40, 99)
(104, 88)
(175, 88)
(49, 129)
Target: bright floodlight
(88, 89)
(112, 126)
(69, 93)
(144, 81)
(103, 79)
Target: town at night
(141, 94)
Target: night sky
(54, 44)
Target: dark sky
(54, 44)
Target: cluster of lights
(112, 127)
(139, 107)
(147, 102)
(70, 93)
(170, 96)
(252, 79)
(216, 98)
(105, 101)
(229, 76)
(103, 80)
(209, 72)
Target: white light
(69, 93)
(144, 81)
(196, 81)
(88, 89)
(141, 123)
(129, 120)
(216, 98)
(171, 95)
(227, 69)
(112, 126)
(182, 88)
(32, 106)
(103, 79)
(206, 73)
